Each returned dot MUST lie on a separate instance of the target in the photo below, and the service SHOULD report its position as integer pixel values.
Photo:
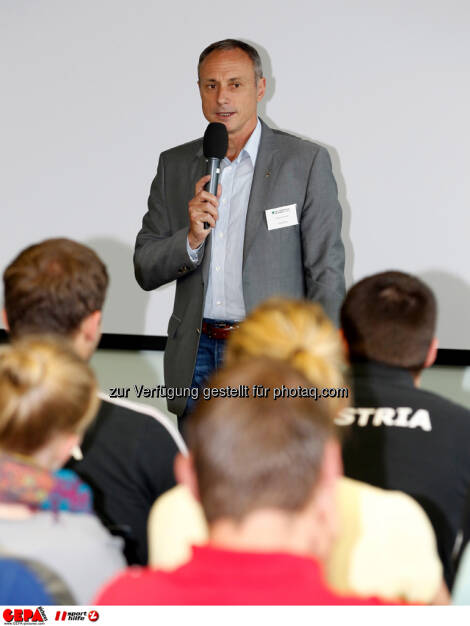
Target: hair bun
(22, 371)
(45, 389)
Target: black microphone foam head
(215, 142)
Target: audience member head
(47, 399)
(295, 331)
(391, 318)
(264, 469)
(58, 287)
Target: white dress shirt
(224, 295)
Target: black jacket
(401, 437)
(128, 462)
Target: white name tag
(282, 216)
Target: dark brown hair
(251, 453)
(45, 389)
(390, 318)
(52, 287)
(232, 44)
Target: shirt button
(221, 235)
(217, 268)
(219, 302)
(224, 201)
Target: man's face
(229, 91)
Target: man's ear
(261, 89)
(87, 336)
(91, 327)
(323, 502)
(432, 353)
(332, 465)
(185, 474)
(5, 320)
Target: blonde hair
(295, 331)
(45, 389)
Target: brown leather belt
(218, 330)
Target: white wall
(92, 91)
(124, 369)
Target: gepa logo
(24, 616)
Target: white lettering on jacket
(384, 416)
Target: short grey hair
(232, 44)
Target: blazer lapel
(197, 168)
(266, 168)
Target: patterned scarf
(23, 482)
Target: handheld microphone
(214, 146)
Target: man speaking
(274, 226)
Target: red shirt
(223, 577)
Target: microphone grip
(213, 168)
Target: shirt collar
(252, 145)
(373, 370)
(250, 148)
(77, 453)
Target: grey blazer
(302, 261)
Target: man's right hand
(202, 208)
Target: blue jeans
(209, 357)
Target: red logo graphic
(25, 616)
(75, 616)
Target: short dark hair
(232, 44)
(391, 318)
(251, 453)
(52, 286)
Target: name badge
(282, 216)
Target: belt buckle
(213, 329)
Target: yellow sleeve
(176, 522)
(386, 546)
